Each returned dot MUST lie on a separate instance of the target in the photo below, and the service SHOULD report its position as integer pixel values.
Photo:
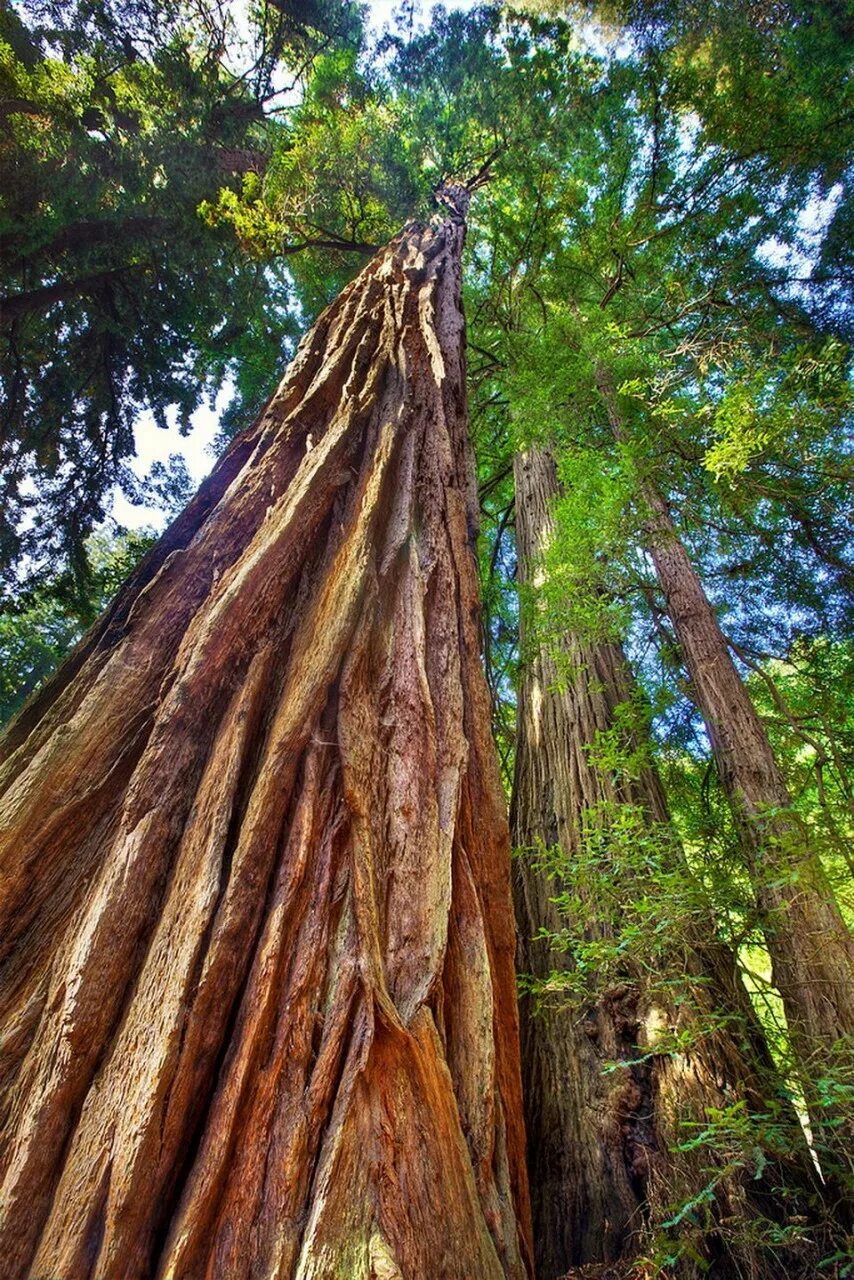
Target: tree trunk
(257, 941)
(601, 1145)
(811, 948)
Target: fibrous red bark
(257, 981)
(604, 1145)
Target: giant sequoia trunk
(601, 1144)
(811, 948)
(257, 983)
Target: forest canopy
(658, 285)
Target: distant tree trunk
(811, 948)
(601, 1158)
(257, 988)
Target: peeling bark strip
(601, 1145)
(257, 988)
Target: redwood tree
(608, 1155)
(810, 945)
(257, 982)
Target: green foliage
(772, 76)
(624, 879)
(792, 404)
(370, 141)
(48, 620)
(807, 703)
(121, 121)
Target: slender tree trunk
(257, 982)
(811, 948)
(601, 1144)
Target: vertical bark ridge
(232, 943)
(601, 1146)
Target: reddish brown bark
(602, 1145)
(257, 981)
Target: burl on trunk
(257, 988)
